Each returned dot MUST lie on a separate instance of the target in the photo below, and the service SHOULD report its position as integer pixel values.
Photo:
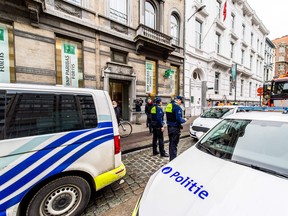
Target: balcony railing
(154, 35)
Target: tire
(67, 196)
(125, 129)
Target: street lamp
(198, 10)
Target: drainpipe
(184, 50)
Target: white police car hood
(206, 122)
(223, 188)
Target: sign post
(234, 75)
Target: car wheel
(67, 196)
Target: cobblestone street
(140, 166)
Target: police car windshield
(258, 143)
(216, 112)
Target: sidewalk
(141, 138)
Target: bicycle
(125, 128)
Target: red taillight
(117, 147)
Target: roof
(260, 115)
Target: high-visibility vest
(153, 110)
(171, 117)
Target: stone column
(161, 16)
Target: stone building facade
(281, 55)
(269, 61)
(215, 45)
(132, 49)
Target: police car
(209, 119)
(239, 167)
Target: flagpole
(214, 21)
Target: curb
(149, 145)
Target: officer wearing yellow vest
(157, 123)
(174, 116)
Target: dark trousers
(174, 136)
(148, 124)
(158, 136)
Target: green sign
(2, 34)
(167, 73)
(69, 49)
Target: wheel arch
(25, 200)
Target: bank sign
(149, 77)
(4, 55)
(69, 64)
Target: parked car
(239, 167)
(209, 119)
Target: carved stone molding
(119, 28)
(35, 7)
(68, 9)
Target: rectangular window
(257, 45)
(243, 31)
(251, 41)
(250, 88)
(230, 85)
(256, 87)
(241, 87)
(218, 42)
(242, 56)
(281, 58)
(7, 65)
(218, 8)
(198, 34)
(231, 50)
(118, 56)
(251, 60)
(217, 80)
(257, 65)
(118, 10)
(174, 80)
(29, 114)
(232, 21)
(82, 3)
(69, 63)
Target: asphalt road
(119, 199)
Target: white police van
(239, 168)
(57, 145)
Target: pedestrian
(174, 115)
(148, 107)
(138, 104)
(157, 124)
(117, 110)
(221, 103)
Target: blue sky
(273, 14)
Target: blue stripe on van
(30, 145)
(39, 154)
(43, 166)
(59, 169)
(105, 124)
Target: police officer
(174, 117)
(157, 123)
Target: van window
(29, 114)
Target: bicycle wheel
(125, 129)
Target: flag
(224, 11)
